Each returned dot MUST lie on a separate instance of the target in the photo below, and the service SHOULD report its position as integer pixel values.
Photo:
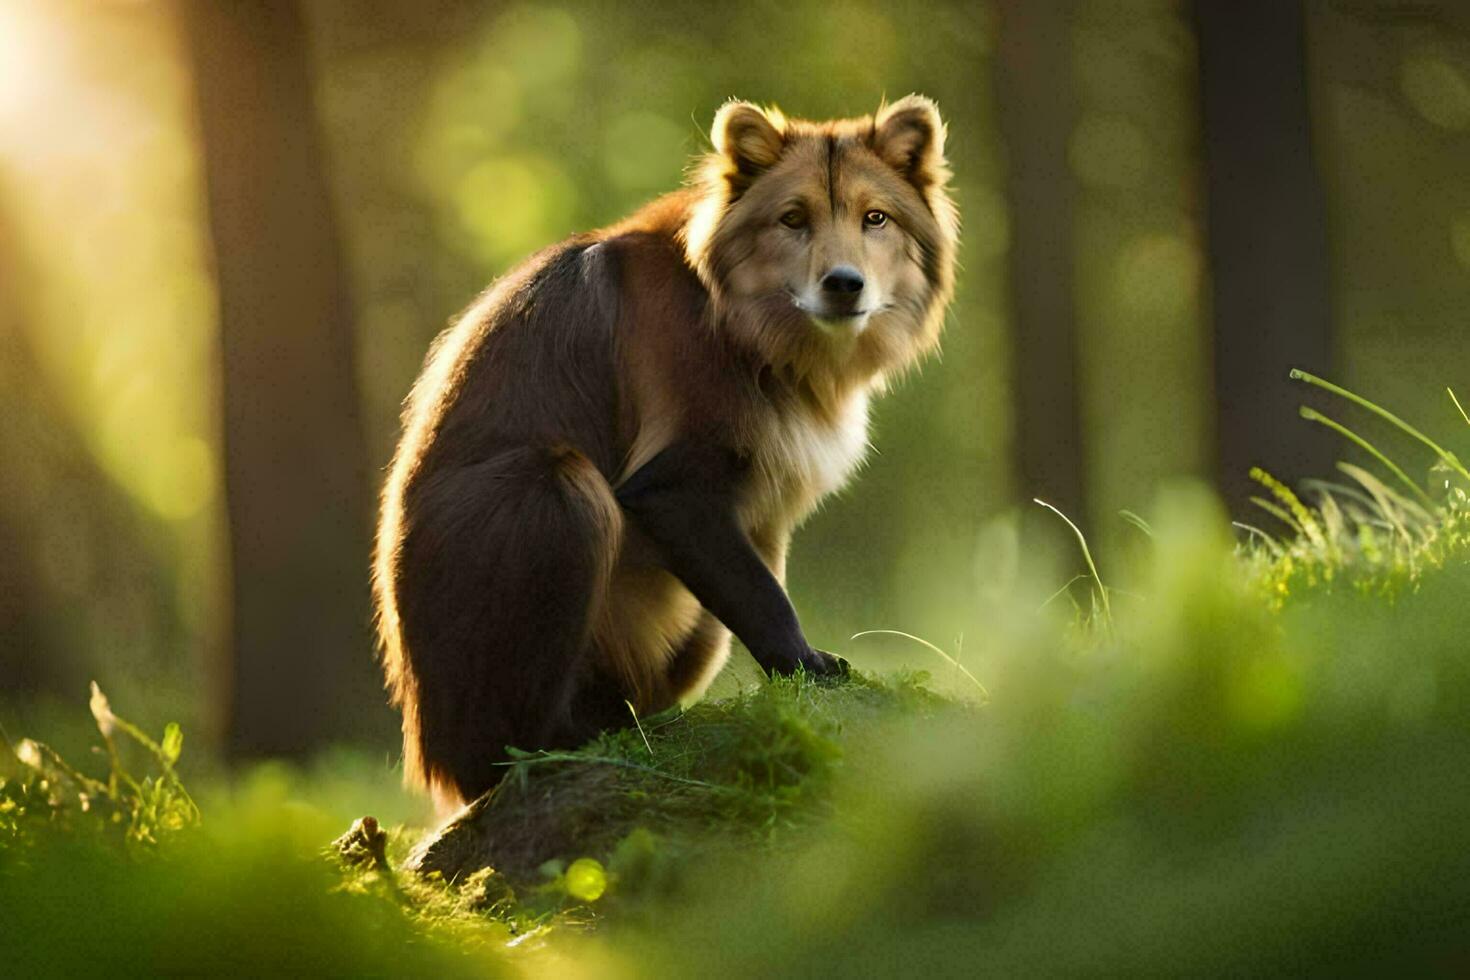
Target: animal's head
(828, 246)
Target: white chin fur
(847, 326)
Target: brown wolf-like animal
(603, 460)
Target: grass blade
(1381, 494)
(1136, 521)
(1339, 490)
(1060, 592)
(1458, 405)
(925, 643)
(1280, 513)
(1453, 462)
(1334, 522)
(1312, 415)
(1102, 590)
(548, 758)
(639, 725)
(1272, 544)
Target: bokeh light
(1437, 90)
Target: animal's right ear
(749, 137)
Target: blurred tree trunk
(1267, 240)
(1037, 114)
(300, 672)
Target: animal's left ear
(909, 136)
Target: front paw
(807, 660)
(820, 663)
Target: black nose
(843, 279)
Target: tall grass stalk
(1312, 415)
(985, 694)
(1102, 590)
(1461, 408)
(1449, 458)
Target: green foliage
(1363, 534)
(1207, 787)
(639, 809)
(39, 790)
(119, 874)
(245, 894)
(1256, 764)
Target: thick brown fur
(518, 602)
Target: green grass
(749, 771)
(1256, 764)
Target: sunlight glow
(31, 50)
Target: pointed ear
(909, 136)
(750, 137)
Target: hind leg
(699, 660)
(503, 569)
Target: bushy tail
(486, 602)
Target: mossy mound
(741, 770)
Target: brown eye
(794, 219)
(875, 219)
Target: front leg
(684, 500)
